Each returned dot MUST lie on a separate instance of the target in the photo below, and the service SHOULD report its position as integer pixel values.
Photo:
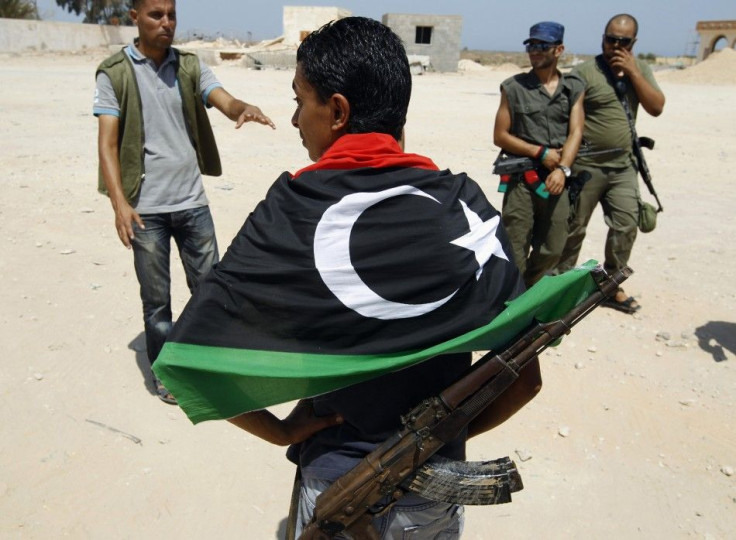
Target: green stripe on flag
(216, 383)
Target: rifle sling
(641, 162)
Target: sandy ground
(632, 436)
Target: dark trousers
(194, 233)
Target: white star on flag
(481, 239)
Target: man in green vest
(614, 176)
(541, 117)
(155, 142)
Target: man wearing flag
(359, 285)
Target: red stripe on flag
(367, 150)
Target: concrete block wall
(270, 60)
(18, 35)
(300, 19)
(444, 48)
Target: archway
(714, 36)
(721, 42)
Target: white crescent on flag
(333, 262)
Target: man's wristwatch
(566, 170)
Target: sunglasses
(622, 41)
(541, 46)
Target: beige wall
(18, 35)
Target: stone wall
(18, 35)
(270, 60)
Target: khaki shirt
(606, 125)
(536, 116)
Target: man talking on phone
(614, 176)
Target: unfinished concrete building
(434, 36)
(431, 41)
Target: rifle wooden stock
(349, 504)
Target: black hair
(624, 16)
(366, 62)
(136, 4)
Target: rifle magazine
(466, 482)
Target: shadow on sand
(138, 344)
(715, 336)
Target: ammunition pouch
(647, 217)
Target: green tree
(650, 58)
(99, 11)
(18, 9)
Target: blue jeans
(411, 517)
(194, 233)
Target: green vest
(131, 133)
(537, 117)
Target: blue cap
(548, 31)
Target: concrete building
(299, 21)
(711, 32)
(435, 36)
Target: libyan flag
(369, 261)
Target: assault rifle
(508, 164)
(637, 143)
(511, 164)
(398, 464)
